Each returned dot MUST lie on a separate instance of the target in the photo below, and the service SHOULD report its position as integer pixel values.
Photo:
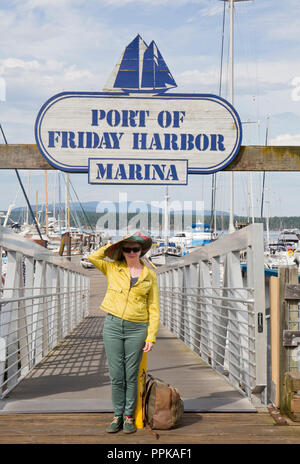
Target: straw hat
(115, 250)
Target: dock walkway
(66, 398)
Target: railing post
(29, 309)
(258, 279)
(54, 306)
(275, 340)
(9, 318)
(205, 313)
(177, 300)
(217, 339)
(169, 300)
(38, 318)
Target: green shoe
(128, 425)
(115, 425)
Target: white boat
(200, 234)
(3, 267)
(182, 243)
(85, 262)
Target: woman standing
(131, 325)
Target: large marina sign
(133, 120)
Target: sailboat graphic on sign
(141, 69)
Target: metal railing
(43, 297)
(218, 311)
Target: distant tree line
(90, 218)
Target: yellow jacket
(140, 303)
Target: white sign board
(73, 127)
(137, 171)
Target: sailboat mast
(231, 215)
(54, 200)
(166, 219)
(231, 100)
(28, 190)
(68, 204)
(46, 202)
(36, 206)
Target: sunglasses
(128, 250)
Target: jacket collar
(122, 266)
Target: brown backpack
(163, 405)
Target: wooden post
(287, 275)
(292, 382)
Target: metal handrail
(214, 308)
(31, 325)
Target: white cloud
(196, 77)
(266, 76)
(154, 2)
(74, 74)
(286, 140)
(12, 63)
(212, 10)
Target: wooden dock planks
(89, 428)
(196, 428)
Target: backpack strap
(174, 392)
(148, 427)
(149, 385)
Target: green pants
(124, 342)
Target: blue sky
(49, 46)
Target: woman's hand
(148, 347)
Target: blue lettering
(164, 119)
(143, 115)
(135, 172)
(64, 141)
(183, 142)
(116, 139)
(88, 140)
(177, 118)
(220, 142)
(139, 141)
(102, 170)
(138, 174)
(156, 142)
(160, 172)
(174, 142)
(172, 172)
(71, 140)
(202, 145)
(113, 118)
(96, 118)
(213, 142)
(147, 172)
(190, 142)
(167, 142)
(132, 116)
(52, 138)
(80, 139)
(121, 173)
(105, 140)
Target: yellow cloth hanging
(139, 412)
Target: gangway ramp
(74, 376)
